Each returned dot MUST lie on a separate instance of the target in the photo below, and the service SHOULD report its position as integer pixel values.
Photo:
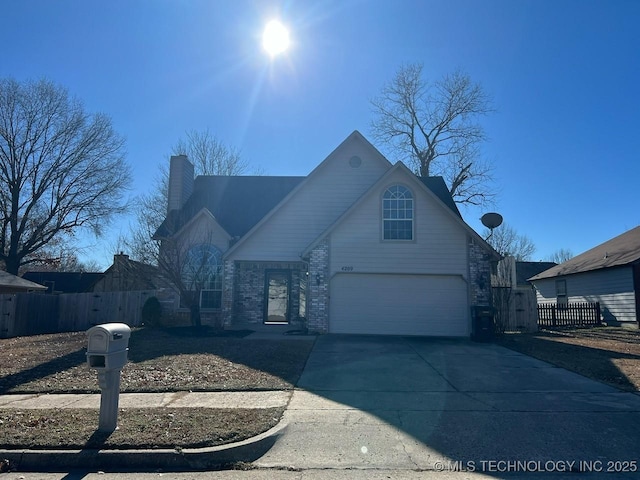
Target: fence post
(553, 315)
(598, 313)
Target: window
(202, 270)
(561, 292)
(397, 213)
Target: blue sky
(564, 76)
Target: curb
(247, 450)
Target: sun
(275, 38)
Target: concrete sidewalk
(260, 399)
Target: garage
(391, 304)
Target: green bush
(151, 312)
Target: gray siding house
(12, 284)
(608, 273)
(357, 246)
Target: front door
(277, 288)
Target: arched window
(202, 271)
(397, 213)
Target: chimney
(120, 259)
(180, 182)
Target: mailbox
(108, 346)
(107, 349)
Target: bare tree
(210, 157)
(507, 242)
(560, 256)
(61, 169)
(63, 260)
(196, 272)
(434, 127)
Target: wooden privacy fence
(551, 315)
(515, 309)
(35, 313)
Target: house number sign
(347, 269)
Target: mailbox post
(107, 349)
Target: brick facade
(479, 275)
(244, 295)
(318, 298)
(227, 292)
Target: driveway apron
(422, 403)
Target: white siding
(203, 228)
(612, 287)
(413, 287)
(399, 305)
(328, 193)
(439, 245)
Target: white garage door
(399, 305)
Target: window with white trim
(202, 271)
(397, 213)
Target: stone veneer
(318, 296)
(479, 275)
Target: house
(64, 282)
(526, 270)
(12, 284)
(608, 273)
(357, 246)
(126, 275)
(513, 273)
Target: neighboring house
(526, 270)
(126, 275)
(357, 246)
(12, 284)
(64, 282)
(516, 274)
(608, 273)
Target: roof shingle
(621, 250)
(240, 202)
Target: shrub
(151, 312)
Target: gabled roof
(526, 270)
(142, 272)
(12, 283)
(237, 202)
(204, 214)
(355, 135)
(621, 250)
(439, 188)
(65, 282)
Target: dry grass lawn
(607, 354)
(160, 360)
(138, 428)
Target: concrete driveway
(419, 403)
